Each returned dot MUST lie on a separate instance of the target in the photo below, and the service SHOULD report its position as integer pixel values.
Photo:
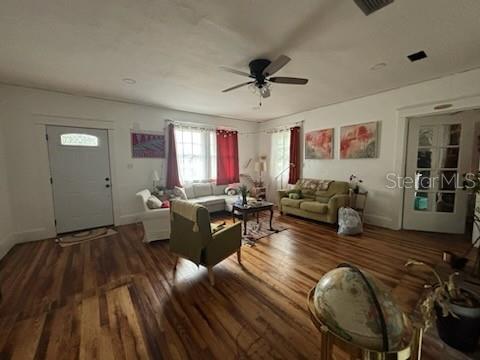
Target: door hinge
(55, 222)
(46, 137)
(51, 180)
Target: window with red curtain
(227, 157)
(294, 173)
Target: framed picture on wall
(147, 144)
(359, 141)
(319, 144)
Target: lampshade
(260, 166)
(155, 176)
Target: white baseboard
(381, 221)
(129, 219)
(34, 235)
(6, 244)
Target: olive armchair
(193, 237)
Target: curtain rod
(201, 126)
(285, 127)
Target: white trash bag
(349, 222)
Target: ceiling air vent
(370, 6)
(417, 56)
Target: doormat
(258, 231)
(84, 236)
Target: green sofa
(315, 199)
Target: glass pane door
(436, 174)
(439, 152)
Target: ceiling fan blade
(288, 80)
(233, 71)
(238, 86)
(276, 65)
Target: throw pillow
(154, 203)
(297, 193)
(231, 191)
(180, 192)
(166, 204)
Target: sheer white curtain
(196, 153)
(279, 161)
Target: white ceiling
(173, 49)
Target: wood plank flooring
(118, 298)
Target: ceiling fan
(261, 71)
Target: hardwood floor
(117, 298)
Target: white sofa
(156, 222)
(210, 195)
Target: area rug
(84, 236)
(258, 231)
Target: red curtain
(227, 157)
(172, 165)
(294, 173)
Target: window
(196, 154)
(280, 160)
(78, 140)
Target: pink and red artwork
(319, 144)
(358, 141)
(148, 145)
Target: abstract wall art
(359, 141)
(319, 144)
(147, 144)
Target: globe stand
(335, 347)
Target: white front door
(439, 154)
(81, 181)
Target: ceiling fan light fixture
(265, 90)
(260, 71)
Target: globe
(358, 308)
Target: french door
(80, 170)
(439, 154)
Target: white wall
(6, 220)
(384, 206)
(25, 113)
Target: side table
(358, 201)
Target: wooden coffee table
(255, 208)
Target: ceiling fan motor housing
(256, 69)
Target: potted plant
(456, 311)
(243, 190)
(355, 183)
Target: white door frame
(44, 120)
(403, 115)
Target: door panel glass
(424, 159)
(450, 135)
(425, 136)
(447, 180)
(449, 158)
(422, 180)
(423, 201)
(445, 202)
(78, 140)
